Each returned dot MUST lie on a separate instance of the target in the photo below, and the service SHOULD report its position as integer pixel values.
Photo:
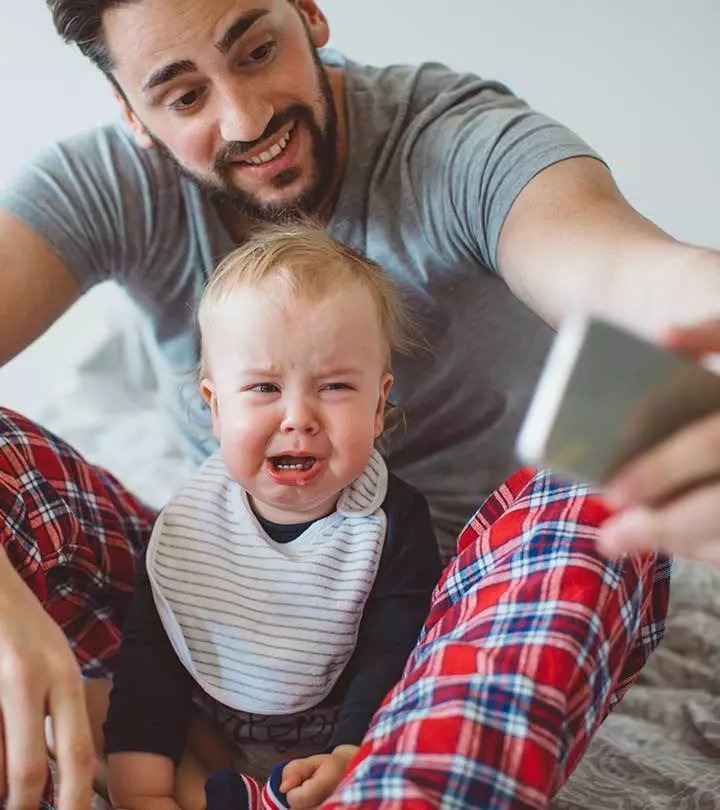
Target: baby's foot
(227, 790)
(272, 798)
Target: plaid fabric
(531, 639)
(73, 534)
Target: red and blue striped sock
(228, 790)
(272, 797)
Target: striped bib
(264, 627)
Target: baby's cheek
(242, 454)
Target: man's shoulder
(416, 87)
(110, 150)
(110, 134)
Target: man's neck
(239, 225)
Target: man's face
(234, 93)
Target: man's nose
(245, 115)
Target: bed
(660, 749)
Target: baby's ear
(385, 386)
(139, 132)
(207, 389)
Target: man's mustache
(236, 149)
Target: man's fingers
(74, 749)
(26, 764)
(689, 458)
(700, 339)
(686, 526)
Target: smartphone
(605, 396)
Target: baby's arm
(308, 782)
(140, 781)
(394, 614)
(149, 710)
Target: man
(464, 195)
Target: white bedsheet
(104, 401)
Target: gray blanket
(660, 750)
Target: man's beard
(324, 153)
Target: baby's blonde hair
(311, 265)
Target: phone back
(605, 396)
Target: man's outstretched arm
(572, 243)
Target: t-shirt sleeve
(152, 692)
(93, 199)
(395, 612)
(470, 152)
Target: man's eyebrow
(239, 28)
(168, 73)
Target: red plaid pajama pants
(531, 639)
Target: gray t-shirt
(435, 161)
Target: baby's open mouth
(293, 462)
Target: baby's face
(297, 392)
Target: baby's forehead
(253, 317)
(333, 296)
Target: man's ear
(142, 138)
(207, 389)
(315, 21)
(385, 386)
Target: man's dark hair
(80, 22)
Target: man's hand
(669, 498)
(39, 676)
(308, 782)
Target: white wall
(637, 78)
(51, 93)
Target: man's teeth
(272, 152)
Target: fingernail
(616, 496)
(608, 546)
(627, 530)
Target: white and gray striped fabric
(264, 627)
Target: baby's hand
(308, 782)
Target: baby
(285, 585)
